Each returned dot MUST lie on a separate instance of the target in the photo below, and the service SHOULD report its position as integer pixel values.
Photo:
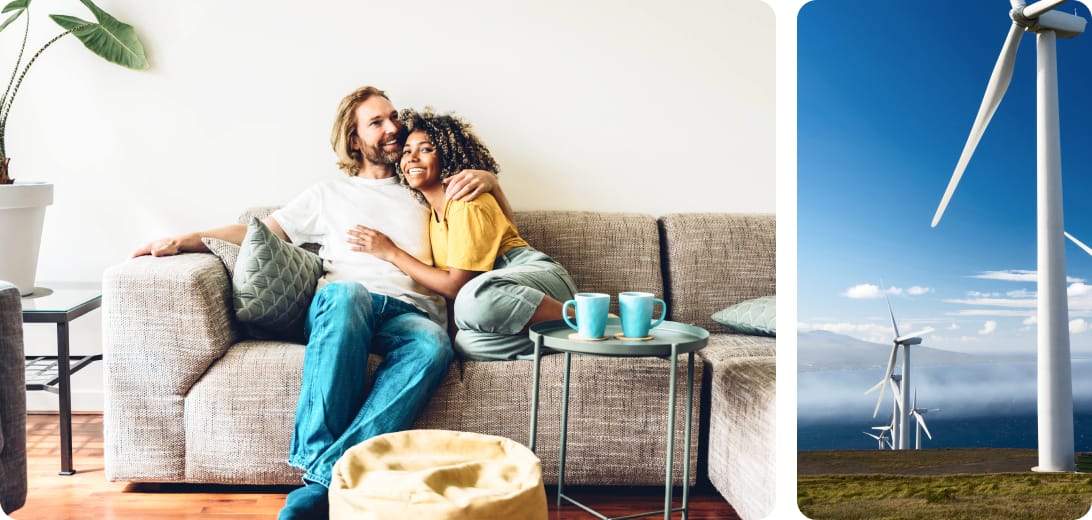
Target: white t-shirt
(325, 212)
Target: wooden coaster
(578, 337)
(621, 336)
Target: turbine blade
(893, 324)
(914, 406)
(995, 91)
(921, 421)
(887, 376)
(1078, 242)
(898, 395)
(1016, 4)
(1038, 8)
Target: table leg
(564, 428)
(670, 431)
(65, 398)
(689, 421)
(534, 393)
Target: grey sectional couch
(189, 399)
(13, 402)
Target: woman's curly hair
(458, 148)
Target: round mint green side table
(669, 340)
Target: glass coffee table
(669, 340)
(61, 304)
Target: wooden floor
(87, 494)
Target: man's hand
(162, 247)
(469, 184)
(368, 240)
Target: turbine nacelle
(1040, 16)
(906, 341)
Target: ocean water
(1007, 431)
(989, 405)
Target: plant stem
(7, 109)
(4, 99)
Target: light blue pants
(492, 309)
(344, 324)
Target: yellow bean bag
(437, 474)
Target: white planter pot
(22, 212)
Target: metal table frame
(60, 383)
(615, 347)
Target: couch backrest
(604, 252)
(713, 260)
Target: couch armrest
(13, 402)
(165, 321)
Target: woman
(500, 285)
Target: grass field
(931, 484)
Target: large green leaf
(18, 6)
(115, 41)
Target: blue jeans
(344, 324)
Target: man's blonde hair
(341, 138)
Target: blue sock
(309, 502)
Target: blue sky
(887, 94)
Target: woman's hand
(468, 184)
(368, 240)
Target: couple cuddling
(389, 253)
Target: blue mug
(636, 310)
(591, 314)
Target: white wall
(645, 106)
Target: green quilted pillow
(756, 317)
(273, 284)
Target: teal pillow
(273, 284)
(757, 317)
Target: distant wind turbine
(1055, 386)
(919, 416)
(900, 437)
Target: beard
(376, 156)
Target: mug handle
(565, 313)
(663, 312)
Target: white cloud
(865, 290)
(1020, 293)
(1032, 320)
(870, 291)
(1079, 289)
(988, 327)
(953, 326)
(1002, 313)
(1017, 275)
(997, 302)
(1078, 326)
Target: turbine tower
(1055, 386)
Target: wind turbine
(879, 439)
(900, 436)
(919, 416)
(1055, 386)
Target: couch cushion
(757, 316)
(273, 283)
(713, 260)
(604, 252)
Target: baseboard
(82, 401)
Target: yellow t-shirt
(472, 235)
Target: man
(363, 304)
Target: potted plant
(22, 204)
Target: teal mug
(591, 314)
(636, 310)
